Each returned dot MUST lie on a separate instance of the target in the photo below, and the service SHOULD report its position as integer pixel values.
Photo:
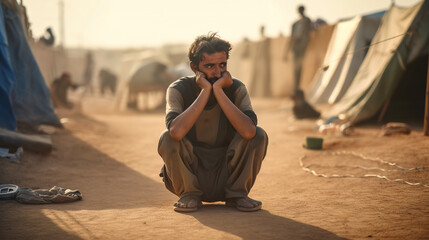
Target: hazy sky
(136, 23)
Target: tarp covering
(30, 95)
(7, 117)
(344, 56)
(402, 34)
(149, 73)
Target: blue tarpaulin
(7, 79)
(30, 95)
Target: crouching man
(212, 148)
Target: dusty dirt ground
(112, 159)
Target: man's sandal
(244, 204)
(188, 204)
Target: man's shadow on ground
(258, 225)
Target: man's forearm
(240, 121)
(181, 125)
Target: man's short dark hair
(209, 44)
(301, 8)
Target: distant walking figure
(298, 42)
(89, 70)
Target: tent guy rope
(378, 160)
(326, 66)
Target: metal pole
(426, 124)
(61, 20)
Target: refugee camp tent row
(25, 96)
(346, 51)
(401, 38)
(262, 67)
(354, 66)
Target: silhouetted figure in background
(59, 89)
(299, 40)
(89, 70)
(107, 81)
(48, 38)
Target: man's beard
(212, 80)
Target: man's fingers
(201, 74)
(226, 74)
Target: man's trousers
(214, 174)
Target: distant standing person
(89, 70)
(298, 42)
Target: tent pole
(426, 125)
(383, 110)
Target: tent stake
(426, 125)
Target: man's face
(213, 65)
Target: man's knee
(167, 145)
(260, 141)
(260, 136)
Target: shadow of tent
(104, 183)
(35, 223)
(262, 224)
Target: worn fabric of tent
(149, 73)
(7, 117)
(262, 67)
(261, 77)
(315, 53)
(343, 58)
(30, 95)
(401, 38)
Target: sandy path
(112, 160)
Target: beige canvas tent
(344, 56)
(261, 66)
(400, 39)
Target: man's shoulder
(237, 83)
(183, 82)
(184, 85)
(232, 90)
(307, 20)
